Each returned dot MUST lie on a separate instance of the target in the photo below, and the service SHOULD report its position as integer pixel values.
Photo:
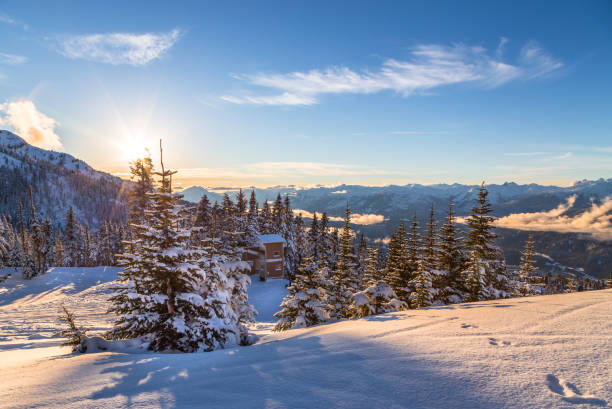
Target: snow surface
(537, 352)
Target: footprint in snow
(569, 392)
(495, 342)
(468, 326)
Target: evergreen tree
(398, 272)
(265, 219)
(313, 237)
(475, 279)
(241, 205)
(277, 215)
(141, 173)
(429, 246)
(414, 244)
(527, 266)
(481, 240)
(450, 259)
(345, 282)
(203, 216)
(58, 255)
(324, 244)
(424, 294)
(372, 272)
(71, 239)
(174, 295)
(305, 304)
(377, 298)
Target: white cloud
(384, 240)
(119, 48)
(356, 218)
(429, 67)
(12, 59)
(340, 192)
(33, 126)
(596, 221)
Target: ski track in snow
(537, 352)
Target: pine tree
(4, 242)
(527, 266)
(424, 294)
(324, 244)
(377, 298)
(141, 173)
(314, 237)
(372, 272)
(174, 295)
(265, 219)
(474, 278)
(345, 282)
(75, 335)
(71, 239)
(203, 216)
(414, 244)
(58, 255)
(430, 246)
(450, 259)
(481, 240)
(305, 305)
(277, 215)
(398, 272)
(241, 205)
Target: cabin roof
(271, 238)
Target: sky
(306, 93)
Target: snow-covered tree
(305, 305)
(481, 240)
(345, 281)
(423, 294)
(75, 335)
(450, 260)
(377, 298)
(527, 266)
(174, 295)
(397, 269)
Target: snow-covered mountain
(58, 181)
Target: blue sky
(265, 93)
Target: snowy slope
(541, 352)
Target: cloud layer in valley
(596, 221)
(356, 218)
(32, 125)
(119, 48)
(429, 67)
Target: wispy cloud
(429, 67)
(596, 221)
(356, 218)
(526, 153)
(12, 59)
(6, 19)
(33, 126)
(119, 48)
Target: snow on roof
(271, 238)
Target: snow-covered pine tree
(141, 173)
(71, 239)
(4, 242)
(474, 277)
(305, 305)
(450, 259)
(481, 239)
(429, 243)
(372, 272)
(377, 298)
(423, 294)
(203, 216)
(344, 278)
(527, 266)
(313, 238)
(288, 232)
(414, 244)
(397, 269)
(265, 219)
(277, 215)
(175, 296)
(327, 254)
(58, 250)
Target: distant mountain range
(58, 181)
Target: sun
(133, 147)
